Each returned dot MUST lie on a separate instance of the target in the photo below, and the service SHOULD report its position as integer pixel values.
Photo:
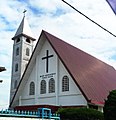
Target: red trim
(35, 107)
(97, 102)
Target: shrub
(80, 114)
(110, 106)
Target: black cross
(47, 59)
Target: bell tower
(22, 50)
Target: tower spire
(24, 29)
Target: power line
(89, 19)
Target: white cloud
(69, 26)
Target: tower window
(32, 88)
(15, 84)
(17, 51)
(18, 40)
(65, 84)
(51, 85)
(43, 87)
(16, 67)
(27, 51)
(28, 40)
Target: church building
(56, 74)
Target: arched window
(28, 40)
(32, 88)
(18, 40)
(65, 84)
(15, 84)
(17, 51)
(16, 67)
(43, 87)
(51, 85)
(27, 51)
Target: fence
(44, 113)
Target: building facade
(58, 75)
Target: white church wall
(72, 100)
(27, 99)
(47, 98)
(56, 70)
(42, 63)
(74, 95)
(37, 74)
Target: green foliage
(110, 106)
(80, 114)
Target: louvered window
(16, 67)
(65, 84)
(51, 85)
(27, 51)
(43, 87)
(32, 88)
(17, 51)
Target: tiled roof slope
(94, 77)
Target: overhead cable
(89, 19)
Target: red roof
(94, 77)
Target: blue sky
(59, 19)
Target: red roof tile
(94, 77)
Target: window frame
(16, 67)
(32, 88)
(65, 83)
(51, 85)
(18, 40)
(43, 87)
(27, 51)
(28, 40)
(17, 51)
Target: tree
(110, 106)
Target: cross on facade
(47, 59)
